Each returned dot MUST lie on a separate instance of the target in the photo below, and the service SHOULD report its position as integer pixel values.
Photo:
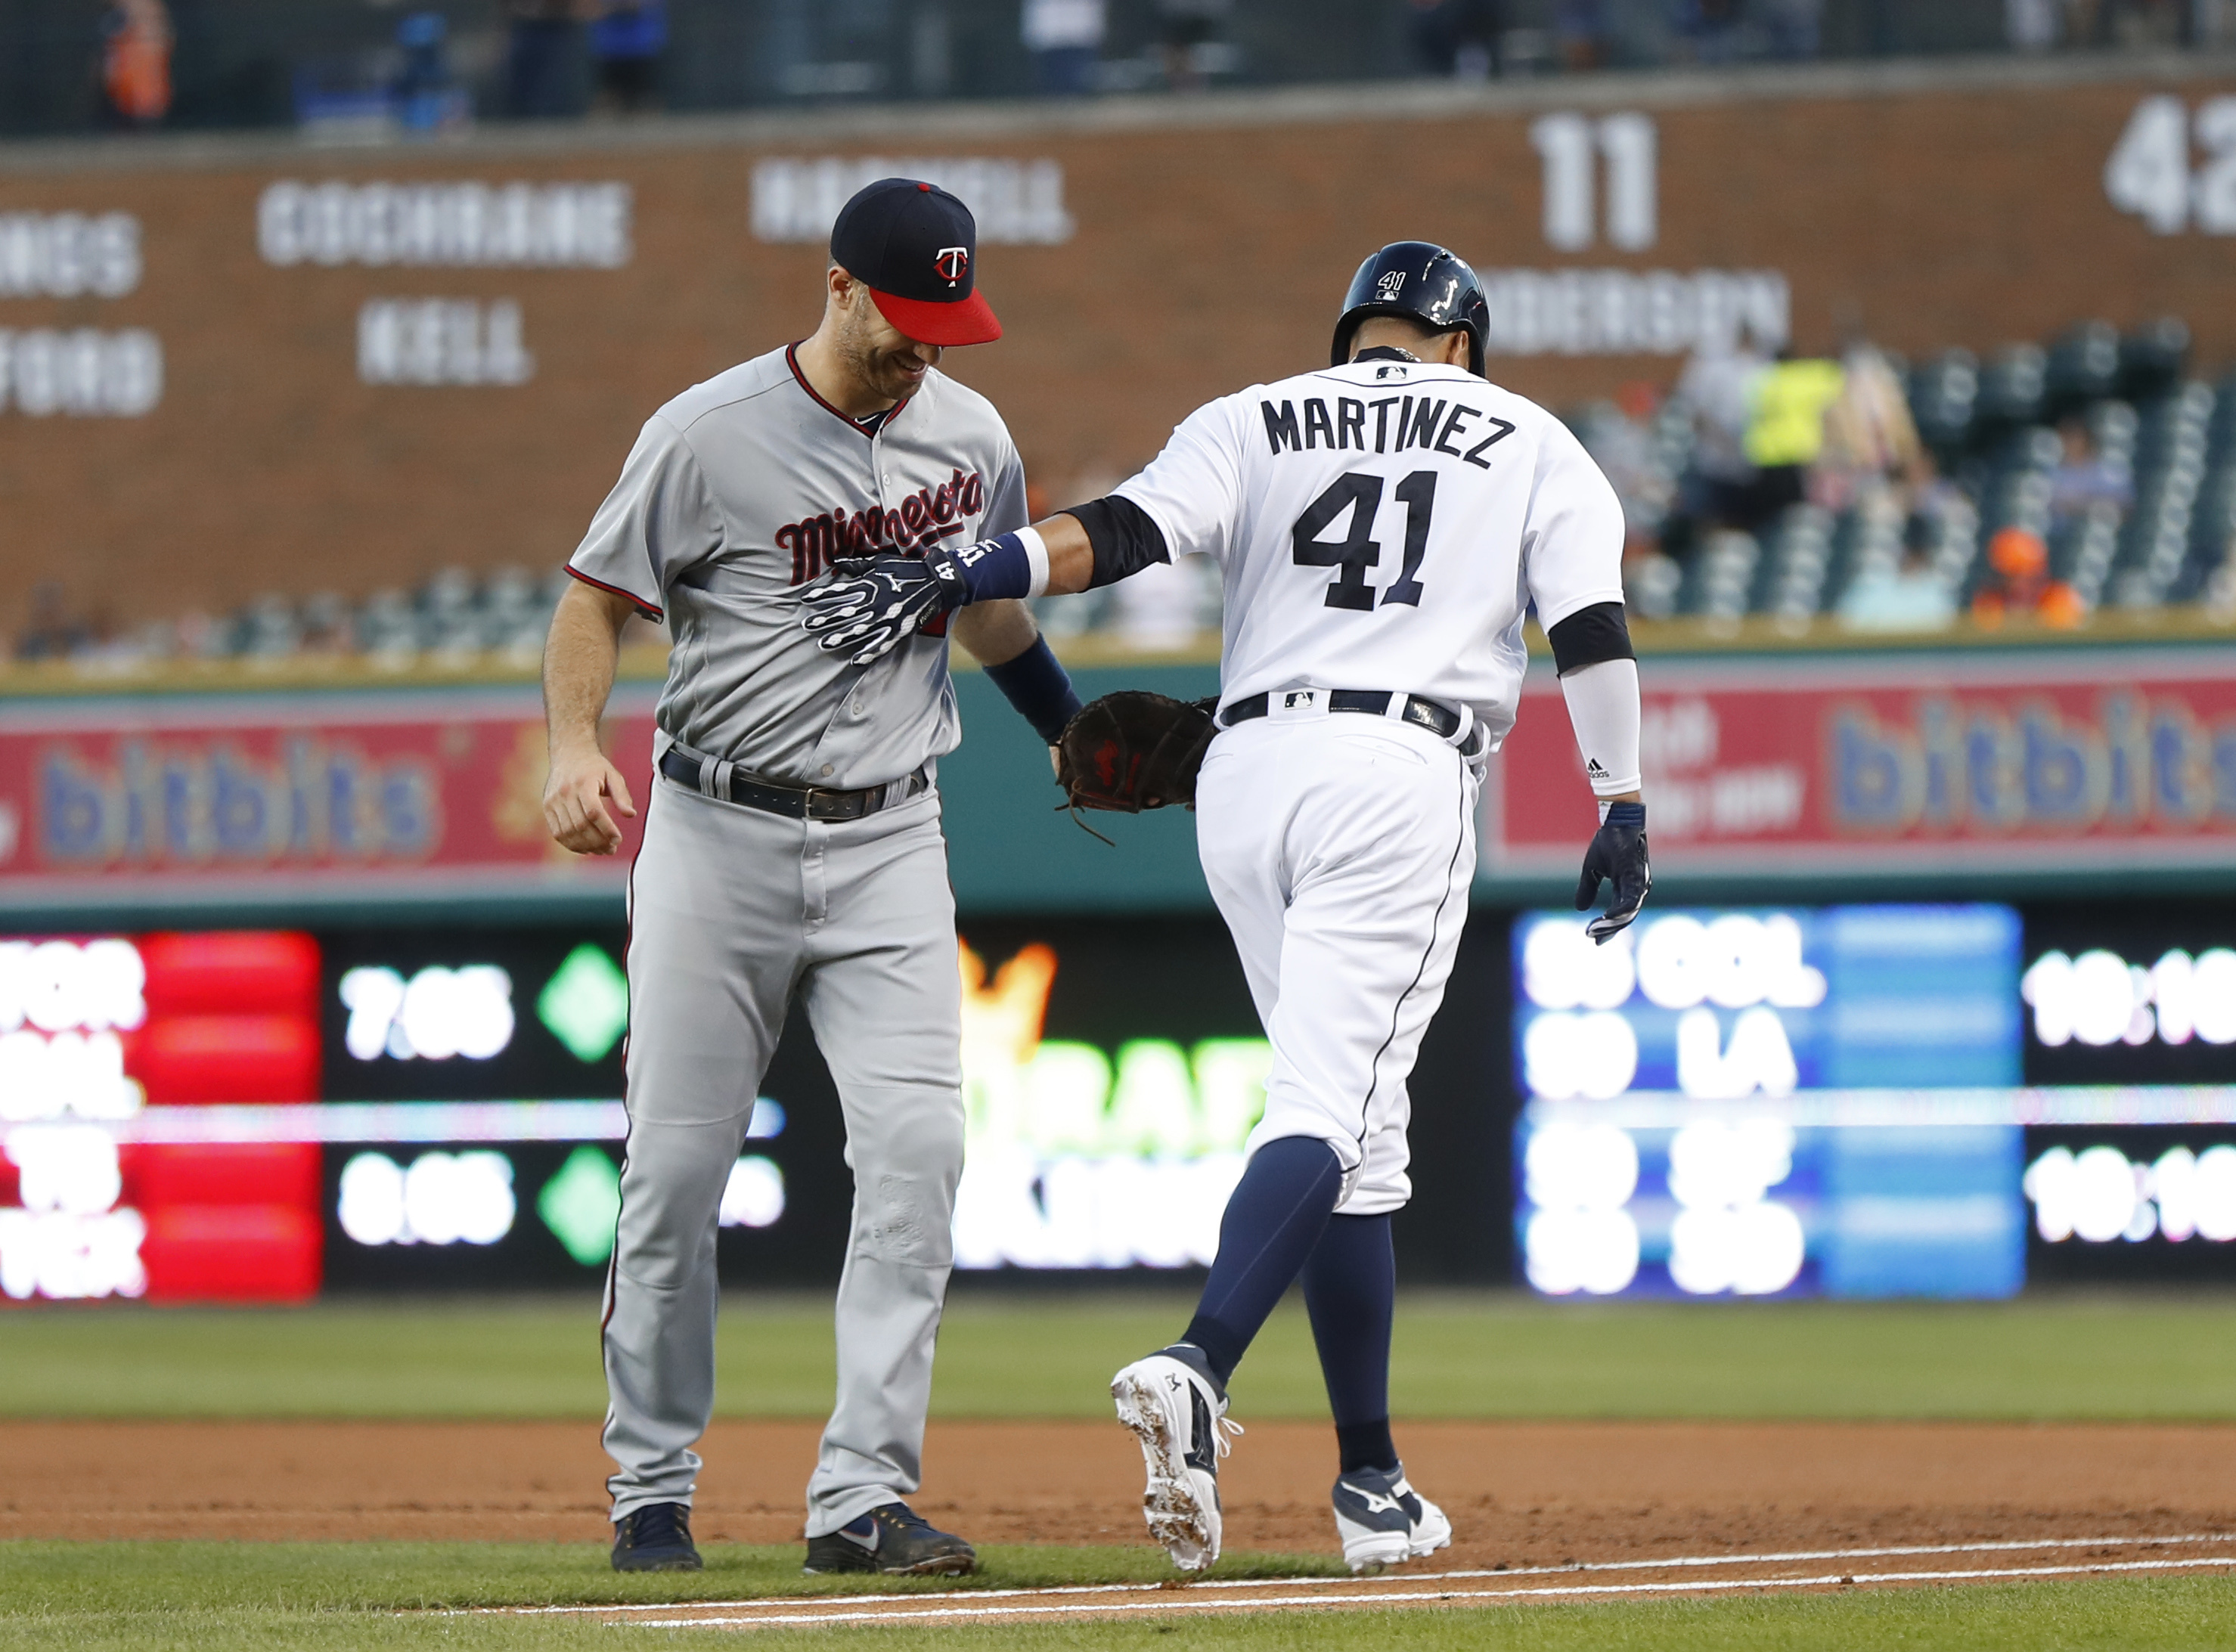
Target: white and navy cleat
(1385, 1521)
(1179, 1414)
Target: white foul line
(1388, 1579)
(1699, 1586)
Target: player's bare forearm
(579, 659)
(1071, 559)
(995, 633)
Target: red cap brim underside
(968, 321)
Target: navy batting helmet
(1423, 282)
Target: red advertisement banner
(270, 798)
(2076, 760)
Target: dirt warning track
(1520, 1495)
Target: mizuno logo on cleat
(1376, 1504)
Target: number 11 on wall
(1567, 144)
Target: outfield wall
(237, 366)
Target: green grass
(71, 1597)
(1489, 1355)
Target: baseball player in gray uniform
(792, 849)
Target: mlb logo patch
(1389, 286)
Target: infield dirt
(1519, 1494)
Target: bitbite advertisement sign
(1901, 765)
(271, 798)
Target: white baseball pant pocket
(1339, 850)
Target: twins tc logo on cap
(915, 247)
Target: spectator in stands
(1793, 27)
(1786, 430)
(1708, 31)
(540, 57)
(136, 64)
(2030, 25)
(1718, 386)
(1458, 37)
(1065, 37)
(2085, 476)
(2019, 582)
(627, 41)
(1910, 596)
(53, 634)
(1188, 36)
(1580, 30)
(427, 98)
(1871, 440)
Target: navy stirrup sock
(1277, 1214)
(1351, 1290)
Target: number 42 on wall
(2148, 171)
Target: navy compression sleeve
(1035, 683)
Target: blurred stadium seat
(2148, 524)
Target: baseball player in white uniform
(792, 850)
(1383, 526)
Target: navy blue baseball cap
(916, 248)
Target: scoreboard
(1872, 1101)
(254, 1116)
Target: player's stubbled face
(888, 361)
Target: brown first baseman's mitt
(1134, 750)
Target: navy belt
(798, 803)
(1441, 720)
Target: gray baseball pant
(734, 912)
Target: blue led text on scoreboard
(1700, 1119)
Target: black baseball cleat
(655, 1537)
(893, 1537)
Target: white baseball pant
(1340, 848)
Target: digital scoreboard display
(1868, 1101)
(259, 1115)
(2135, 1005)
(1676, 1139)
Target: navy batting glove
(1617, 856)
(867, 606)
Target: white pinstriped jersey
(1386, 524)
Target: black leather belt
(809, 803)
(1441, 720)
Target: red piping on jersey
(642, 606)
(792, 360)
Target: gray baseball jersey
(742, 489)
(738, 493)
